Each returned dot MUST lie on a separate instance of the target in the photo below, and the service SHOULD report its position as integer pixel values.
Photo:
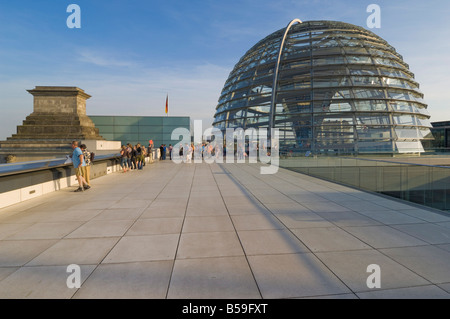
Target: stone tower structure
(58, 118)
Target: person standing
(150, 152)
(144, 155)
(79, 164)
(134, 157)
(170, 151)
(87, 160)
(139, 156)
(129, 151)
(124, 158)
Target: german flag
(167, 104)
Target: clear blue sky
(129, 54)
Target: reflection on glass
(341, 89)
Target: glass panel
(329, 60)
(151, 120)
(331, 82)
(366, 71)
(423, 122)
(407, 133)
(373, 105)
(404, 120)
(366, 80)
(409, 147)
(368, 93)
(339, 107)
(426, 133)
(372, 120)
(367, 132)
(375, 146)
(359, 59)
(399, 106)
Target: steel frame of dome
(339, 88)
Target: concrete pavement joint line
(237, 234)
(393, 260)
(120, 237)
(179, 237)
(274, 215)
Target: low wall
(22, 185)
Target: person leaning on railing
(87, 160)
(79, 164)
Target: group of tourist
(200, 151)
(82, 161)
(133, 157)
(163, 150)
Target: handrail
(31, 166)
(395, 162)
(369, 159)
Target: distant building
(441, 133)
(140, 129)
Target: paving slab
(429, 261)
(137, 280)
(20, 252)
(213, 278)
(391, 217)
(196, 224)
(143, 248)
(430, 233)
(384, 237)
(101, 228)
(294, 275)
(156, 226)
(80, 251)
(43, 282)
(270, 242)
(55, 230)
(328, 239)
(209, 244)
(352, 267)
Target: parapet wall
(22, 185)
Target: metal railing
(32, 166)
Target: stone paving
(221, 231)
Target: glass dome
(339, 89)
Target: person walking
(79, 164)
(88, 162)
